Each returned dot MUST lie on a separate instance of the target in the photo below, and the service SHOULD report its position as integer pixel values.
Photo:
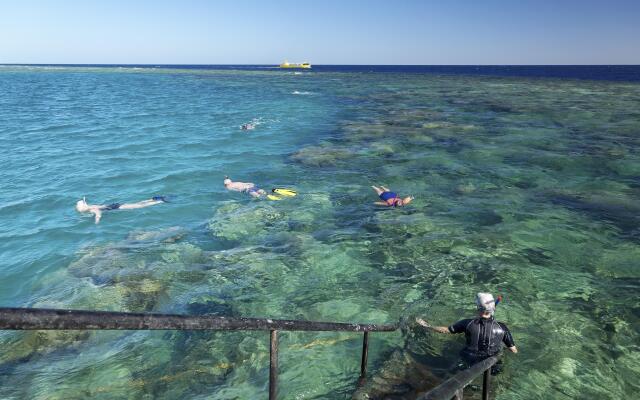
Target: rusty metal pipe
(52, 319)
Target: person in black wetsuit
(485, 336)
(96, 209)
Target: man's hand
(513, 349)
(439, 329)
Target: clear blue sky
(321, 32)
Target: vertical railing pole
(365, 355)
(273, 366)
(486, 382)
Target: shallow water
(524, 187)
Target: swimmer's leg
(385, 189)
(378, 190)
(141, 204)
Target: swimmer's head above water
(486, 304)
(82, 206)
(226, 181)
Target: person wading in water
(485, 336)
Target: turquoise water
(525, 187)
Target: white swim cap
(486, 302)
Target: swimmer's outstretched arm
(381, 203)
(439, 329)
(98, 215)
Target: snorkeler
(389, 198)
(485, 336)
(82, 206)
(245, 187)
(248, 126)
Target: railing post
(273, 366)
(365, 355)
(486, 382)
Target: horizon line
(346, 65)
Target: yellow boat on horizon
(304, 65)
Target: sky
(439, 32)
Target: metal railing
(453, 387)
(51, 319)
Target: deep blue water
(629, 73)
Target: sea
(526, 182)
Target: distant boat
(304, 65)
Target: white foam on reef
(302, 93)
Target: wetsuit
(485, 337)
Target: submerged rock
(382, 149)
(621, 211)
(466, 188)
(621, 262)
(325, 155)
(168, 235)
(24, 345)
(400, 377)
(114, 277)
(241, 222)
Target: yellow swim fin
(284, 192)
(272, 197)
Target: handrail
(56, 319)
(452, 388)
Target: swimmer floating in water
(82, 206)
(245, 187)
(389, 198)
(248, 126)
